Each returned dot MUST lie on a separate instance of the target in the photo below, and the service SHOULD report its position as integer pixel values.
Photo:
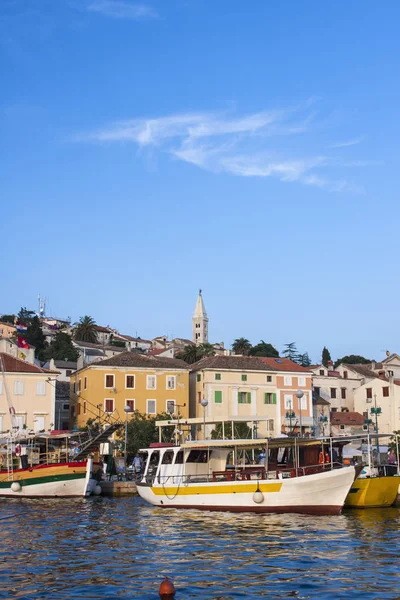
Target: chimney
(330, 365)
(381, 374)
(373, 365)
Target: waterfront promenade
(107, 548)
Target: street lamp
(127, 409)
(377, 411)
(204, 404)
(300, 394)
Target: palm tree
(84, 330)
(192, 353)
(206, 350)
(241, 346)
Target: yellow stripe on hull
(233, 488)
(42, 472)
(372, 492)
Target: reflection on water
(122, 548)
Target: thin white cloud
(238, 145)
(120, 9)
(346, 143)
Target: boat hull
(50, 481)
(320, 493)
(372, 492)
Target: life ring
(17, 449)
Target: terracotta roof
(234, 363)
(346, 418)
(102, 329)
(363, 370)
(157, 351)
(16, 365)
(142, 361)
(284, 364)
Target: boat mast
(11, 409)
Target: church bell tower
(200, 322)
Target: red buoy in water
(167, 590)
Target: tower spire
(200, 322)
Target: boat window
(179, 458)
(167, 457)
(197, 456)
(155, 458)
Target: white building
(383, 393)
(338, 386)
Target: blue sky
(250, 149)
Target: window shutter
(218, 396)
(248, 396)
(273, 398)
(265, 398)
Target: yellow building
(31, 393)
(146, 384)
(235, 387)
(7, 330)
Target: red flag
(22, 343)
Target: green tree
(35, 337)
(264, 349)
(142, 431)
(25, 316)
(192, 353)
(85, 330)
(352, 359)
(303, 360)
(326, 356)
(291, 352)
(242, 431)
(7, 319)
(241, 346)
(206, 350)
(61, 348)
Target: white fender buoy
(258, 496)
(97, 490)
(15, 486)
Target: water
(122, 548)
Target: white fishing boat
(233, 475)
(40, 466)
(45, 464)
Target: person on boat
(324, 458)
(391, 457)
(137, 464)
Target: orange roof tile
(284, 364)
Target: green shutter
(248, 397)
(244, 377)
(265, 398)
(218, 376)
(198, 377)
(218, 397)
(274, 398)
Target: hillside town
(106, 372)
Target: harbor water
(106, 548)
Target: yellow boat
(372, 492)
